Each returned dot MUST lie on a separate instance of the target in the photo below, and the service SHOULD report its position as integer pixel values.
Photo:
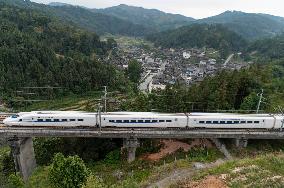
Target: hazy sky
(191, 8)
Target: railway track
(133, 129)
(140, 133)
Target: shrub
(68, 172)
(15, 181)
(113, 157)
(94, 182)
(203, 155)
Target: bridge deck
(140, 133)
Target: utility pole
(105, 99)
(260, 100)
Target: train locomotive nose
(8, 121)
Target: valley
(59, 56)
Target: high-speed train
(145, 120)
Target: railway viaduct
(20, 139)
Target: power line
(105, 99)
(260, 100)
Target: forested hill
(270, 48)
(37, 50)
(86, 19)
(200, 35)
(100, 23)
(249, 25)
(152, 18)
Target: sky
(190, 8)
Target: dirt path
(171, 146)
(208, 182)
(180, 175)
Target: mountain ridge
(153, 17)
(250, 25)
(86, 19)
(138, 21)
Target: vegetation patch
(263, 171)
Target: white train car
(54, 119)
(143, 119)
(146, 119)
(235, 121)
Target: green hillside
(271, 48)
(86, 19)
(249, 25)
(152, 18)
(212, 36)
(39, 50)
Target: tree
(250, 102)
(134, 71)
(69, 172)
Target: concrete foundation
(241, 143)
(130, 144)
(24, 156)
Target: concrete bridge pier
(131, 144)
(222, 147)
(24, 156)
(241, 142)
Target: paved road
(228, 59)
(144, 86)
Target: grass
(39, 179)
(4, 150)
(262, 171)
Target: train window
(64, 119)
(111, 121)
(140, 121)
(48, 120)
(256, 121)
(222, 122)
(133, 121)
(56, 120)
(80, 120)
(154, 121)
(20, 120)
(243, 121)
(118, 121)
(72, 120)
(147, 121)
(236, 122)
(208, 122)
(161, 120)
(125, 121)
(40, 120)
(229, 122)
(168, 120)
(201, 122)
(249, 121)
(215, 122)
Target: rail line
(140, 133)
